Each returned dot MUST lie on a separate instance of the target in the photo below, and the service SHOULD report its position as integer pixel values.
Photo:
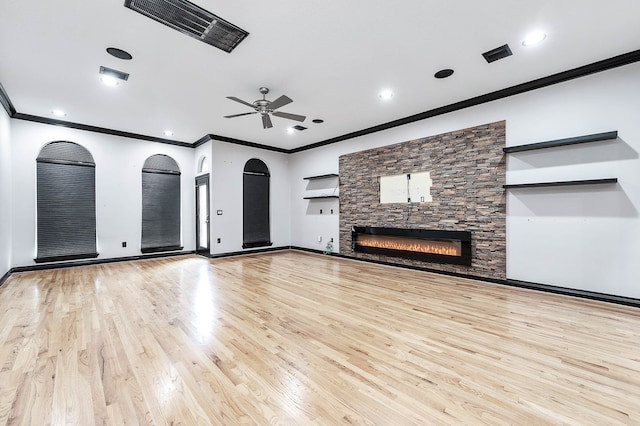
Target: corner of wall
(5, 193)
(227, 164)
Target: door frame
(203, 180)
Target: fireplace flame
(445, 247)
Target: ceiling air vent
(497, 53)
(191, 20)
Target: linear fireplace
(420, 244)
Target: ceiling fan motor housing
(262, 105)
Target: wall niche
(467, 170)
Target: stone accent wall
(468, 170)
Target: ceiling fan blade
(238, 115)
(233, 98)
(266, 121)
(281, 101)
(289, 116)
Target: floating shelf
(327, 176)
(320, 197)
(563, 142)
(564, 183)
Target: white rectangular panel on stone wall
(420, 187)
(412, 187)
(393, 189)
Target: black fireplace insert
(436, 246)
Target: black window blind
(256, 226)
(160, 204)
(66, 212)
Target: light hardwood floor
(298, 338)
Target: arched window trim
(203, 164)
(256, 166)
(161, 163)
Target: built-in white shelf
(596, 137)
(327, 176)
(606, 181)
(321, 197)
(563, 142)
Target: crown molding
(6, 102)
(96, 129)
(595, 67)
(211, 137)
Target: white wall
(227, 164)
(5, 193)
(582, 238)
(118, 187)
(307, 222)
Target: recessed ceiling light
(109, 80)
(58, 113)
(168, 133)
(318, 120)
(534, 38)
(290, 130)
(386, 94)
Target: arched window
(160, 204)
(66, 203)
(203, 164)
(256, 228)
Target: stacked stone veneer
(468, 170)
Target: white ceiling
(332, 58)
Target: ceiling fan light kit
(266, 107)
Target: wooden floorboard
(298, 338)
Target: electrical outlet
(219, 240)
(124, 244)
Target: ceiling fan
(265, 107)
